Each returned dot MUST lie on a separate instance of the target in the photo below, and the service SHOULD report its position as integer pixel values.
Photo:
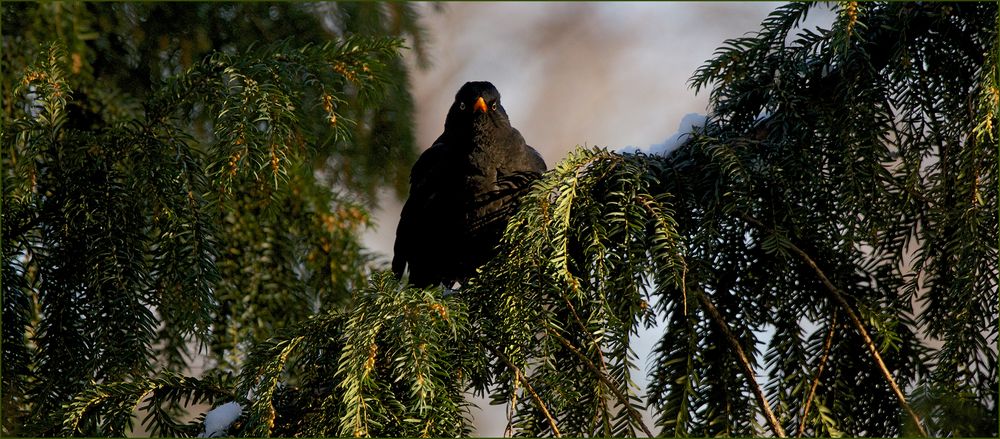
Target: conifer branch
(597, 347)
(527, 385)
(622, 399)
(745, 363)
(21, 229)
(855, 321)
(827, 344)
(584, 330)
(247, 178)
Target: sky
(595, 74)
(570, 73)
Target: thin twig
(684, 288)
(527, 385)
(745, 362)
(602, 371)
(511, 409)
(583, 329)
(855, 321)
(622, 399)
(819, 371)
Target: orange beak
(480, 105)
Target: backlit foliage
(821, 257)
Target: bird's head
(476, 101)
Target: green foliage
(119, 53)
(107, 409)
(283, 217)
(347, 373)
(855, 147)
(566, 299)
(832, 230)
(193, 214)
(397, 371)
(536, 331)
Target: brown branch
(855, 321)
(819, 371)
(583, 329)
(511, 409)
(684, 288)
(745, 363)
(518, 375)
(622, 399)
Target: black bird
(463, 190)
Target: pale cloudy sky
(572, 73)
(590, 73)
(599, 74)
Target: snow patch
(690, 123)
(218, 420)
(35, 105)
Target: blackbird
(463, 190)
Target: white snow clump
(689, 123)
(218, 420)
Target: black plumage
(463, 190)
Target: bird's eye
(461, 106)
(495, 106)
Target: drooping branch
(21, 229)
(622, 399)
(583, 330)
(527, 385)
(855, 321)
(745, 363)
(827, 343)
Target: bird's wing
(521, 166)
(422, 188)
(535, 161)
(428, 164)
(524, 157)
(404, 234)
